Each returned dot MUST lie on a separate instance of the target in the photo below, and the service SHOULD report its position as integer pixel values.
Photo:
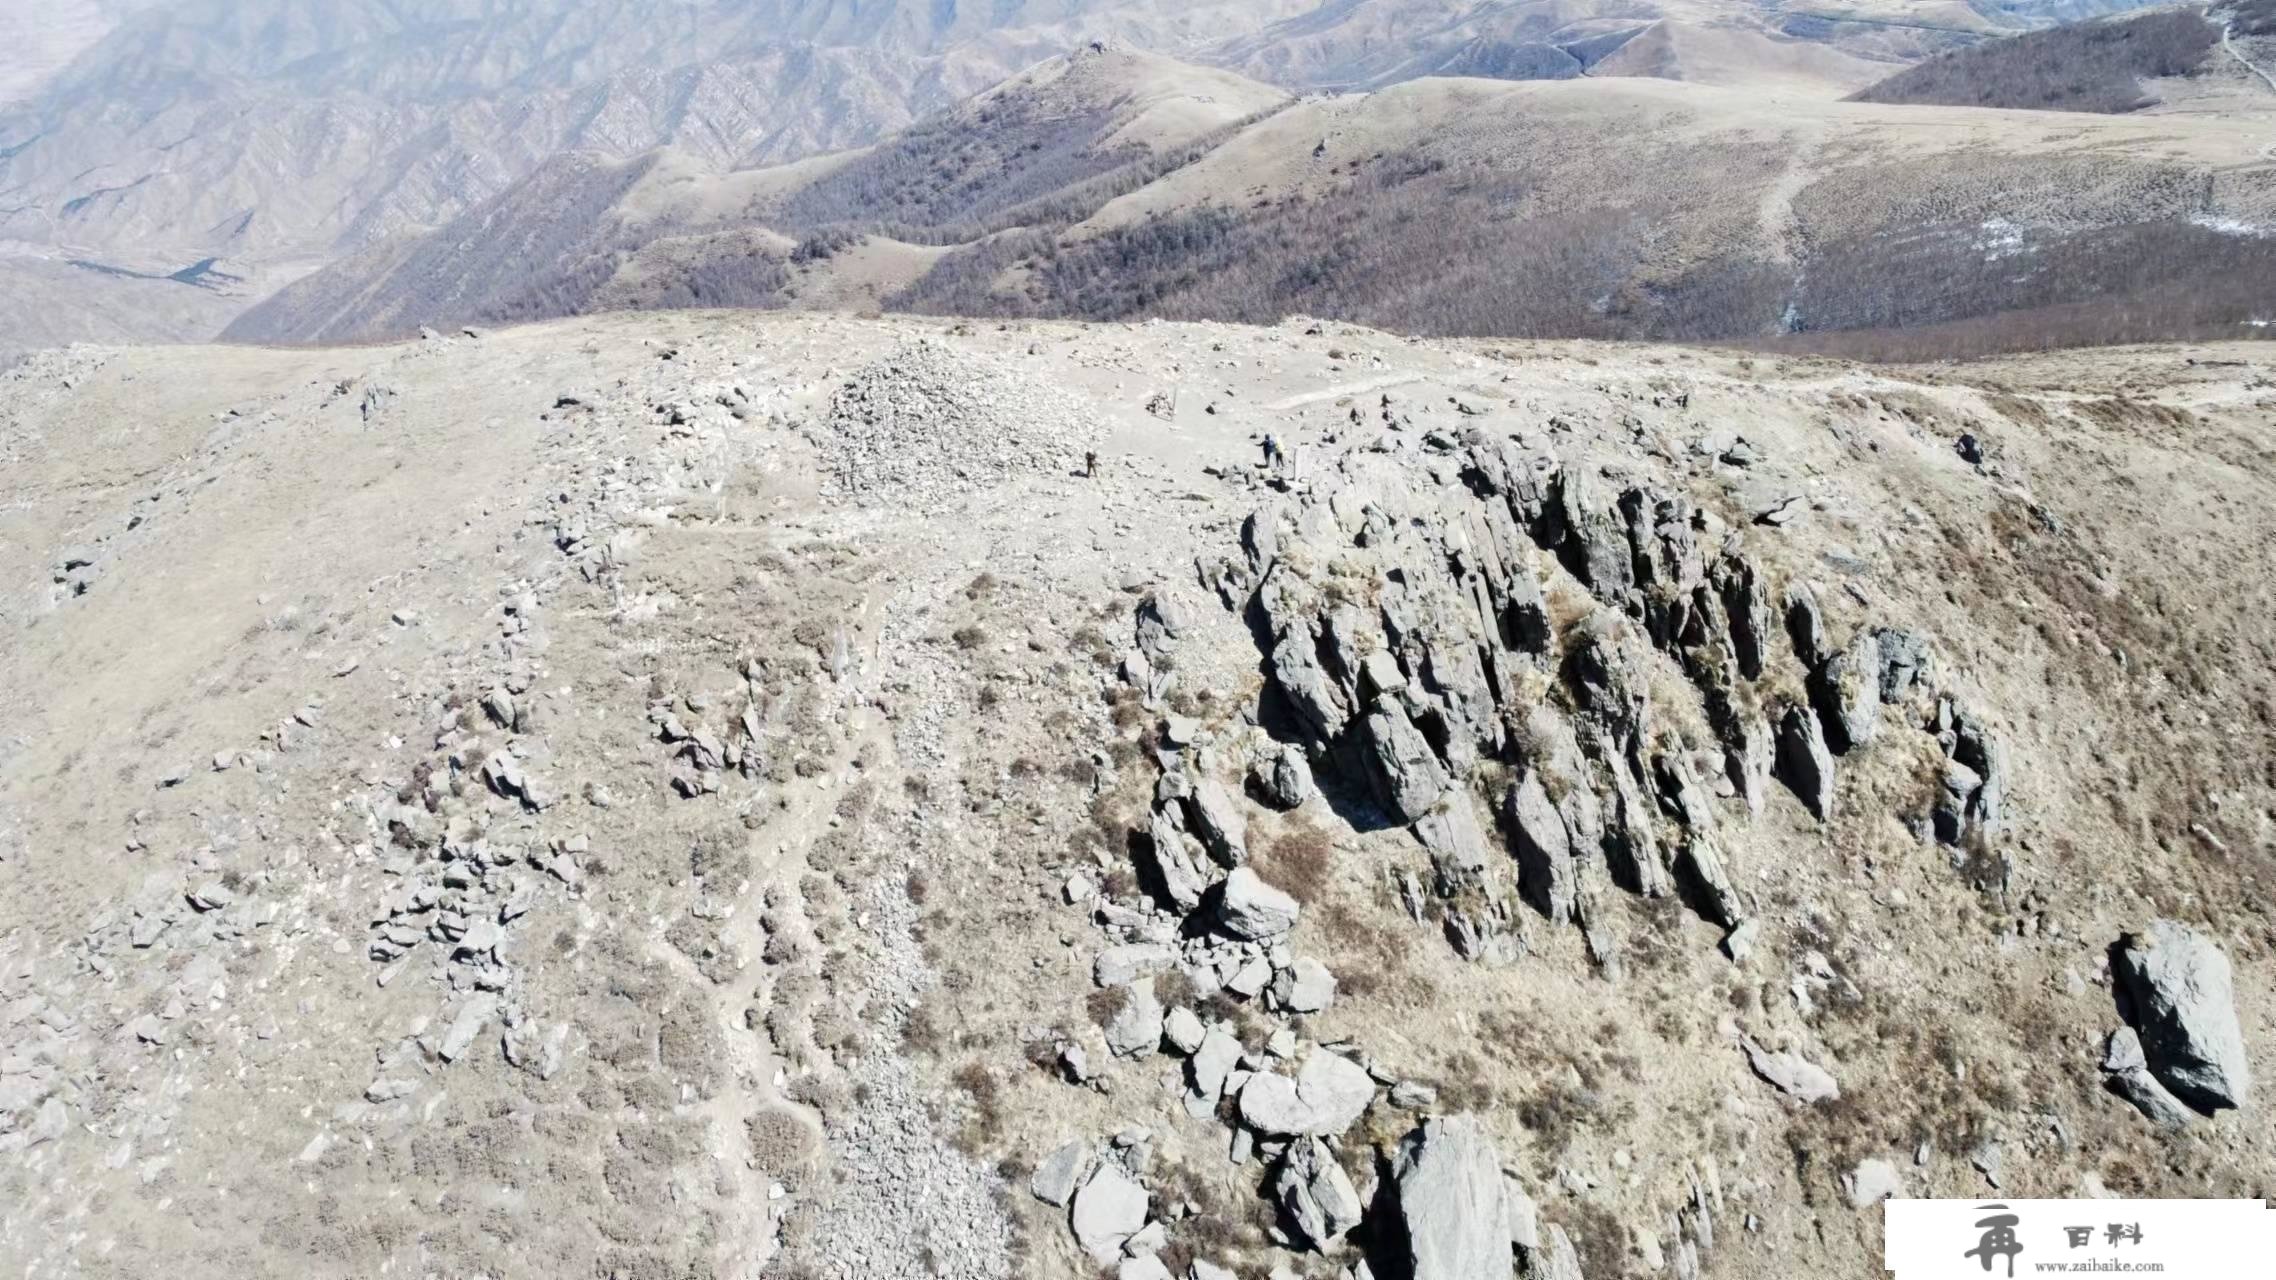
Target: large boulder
(1260, 539)
(1904, 662)
(1748, 754)
(1330, 1093)
(1448, 1200)
(1252, 910)
(1181, 877)
(1957, 785)
(1213, 1062)
(1284, 777)
(2184, 1006)
(1136, 1030)
(1806, 626)
(1123, 965)
(1306, 986)
(1700, 868)
(1161, 623)
(1218, 820)
(1056, 1178)
(1109, 1210)
(1317, 1199)
(1871, 1181)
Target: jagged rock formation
(1412, 643)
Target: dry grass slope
(2095, 66)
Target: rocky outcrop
(1546, 874)
(1746, 610)
(1804, 762)
(1846, 690)
(1412, 644)
(1423, 652)
(1792, 1074)
(1408, 778)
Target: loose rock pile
(927, 423)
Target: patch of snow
(2231, 226)
(2000, 238)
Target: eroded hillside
(711, 795)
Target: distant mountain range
(277, 138)
(1115, 185)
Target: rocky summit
(724, 796)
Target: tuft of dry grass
(1300, 860)
(985, 1123)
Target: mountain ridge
(1353, 207)
(278, 138)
